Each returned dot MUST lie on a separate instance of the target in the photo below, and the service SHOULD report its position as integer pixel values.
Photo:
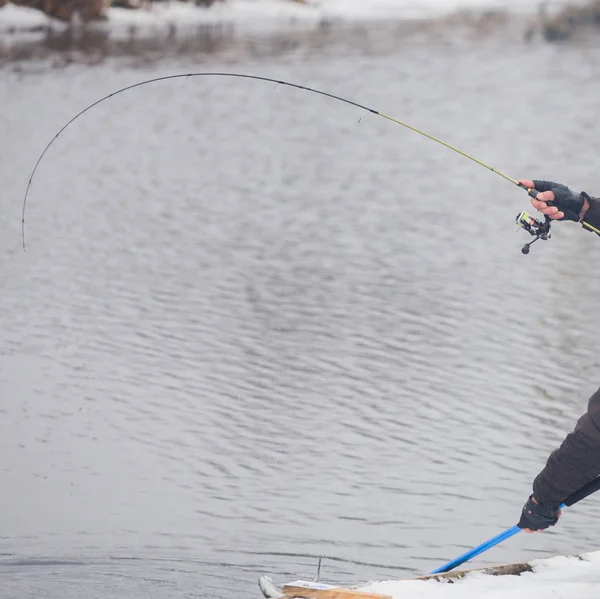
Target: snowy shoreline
(174, 27)
(559, 577)
(252, 15)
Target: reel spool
(537, 228)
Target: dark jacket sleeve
(592, 216)
(575, 463)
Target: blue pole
(591, 487)
(509, 532)
(477, 550)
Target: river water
(254, 326)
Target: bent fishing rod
(538, 229)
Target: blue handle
(509, 532)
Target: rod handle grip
(533, 192)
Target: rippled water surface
(254, 326)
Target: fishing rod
(536, 228)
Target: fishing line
(531, 192)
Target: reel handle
(535, 227)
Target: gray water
(254, 326)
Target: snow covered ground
(20, 18)
(263, 14)
(554, 578)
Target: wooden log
(502, 570)
(293, 590)
(506, 570)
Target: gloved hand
(538, 517)
(566, 204)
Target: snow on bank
(245, 12)
(14, 19)
(252, 14)
(560, 577)
(402, 9)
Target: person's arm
(569, 468)
(566, 205)
(575, 463)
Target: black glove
(537, 516)
(564, 199)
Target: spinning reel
(537, 228)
